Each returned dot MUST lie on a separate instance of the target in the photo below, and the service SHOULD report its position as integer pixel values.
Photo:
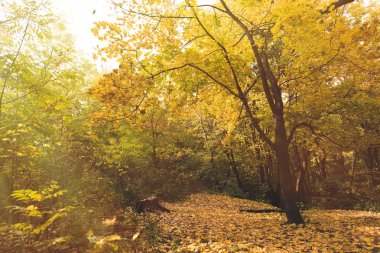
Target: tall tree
(244, 48)
(41, 84)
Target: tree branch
(133, 111)
(250, 87)
(336, 5)
(295, 127)
(211, 6)
(199, 69)
(241, 38)
(13, 62)
(191, 40)
(255, 50)
(156, 15)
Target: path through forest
(213, 223)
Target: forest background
(275, 101)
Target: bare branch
(295, 127)
(13, 62)
(255, 50)
(156, 15)
(360, 67)
(335, 5)
(191, 40)
(211, 6)
(214, 79)
(250, 87)
(19, 97)
(241, 38)
(199, 69)
(133, 111)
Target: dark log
(150, 204)
(274, 197)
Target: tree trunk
(233, 166)
(372, 161)
(302, 164)
(321, 163)
(288, 191)
(300, 185)
(262, 177)
(353, 167)
(272, 91)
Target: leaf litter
(214, 223)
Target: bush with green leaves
(36, 219)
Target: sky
(79, 18)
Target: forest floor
(213, 223)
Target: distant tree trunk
(269, 167)
(231, 159)
(300, 184)
(321, 163)
(371, 157)
(262, 174)
(154, 141)
(302, 164)
(341, 166)
(353, 168)
(154, 156)
(212, 159)
(207, 139)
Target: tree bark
(353, 169)
(336, 5)
(302, 164)
(233, 166)
(288, 191)
(371, 158)
(321, 163)
(273, 95)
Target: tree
(238, 46)
(41, 94)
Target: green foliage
(103, 243)
(37, 218)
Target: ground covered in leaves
(213, 223)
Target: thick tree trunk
(272, 91)
(288, 191)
